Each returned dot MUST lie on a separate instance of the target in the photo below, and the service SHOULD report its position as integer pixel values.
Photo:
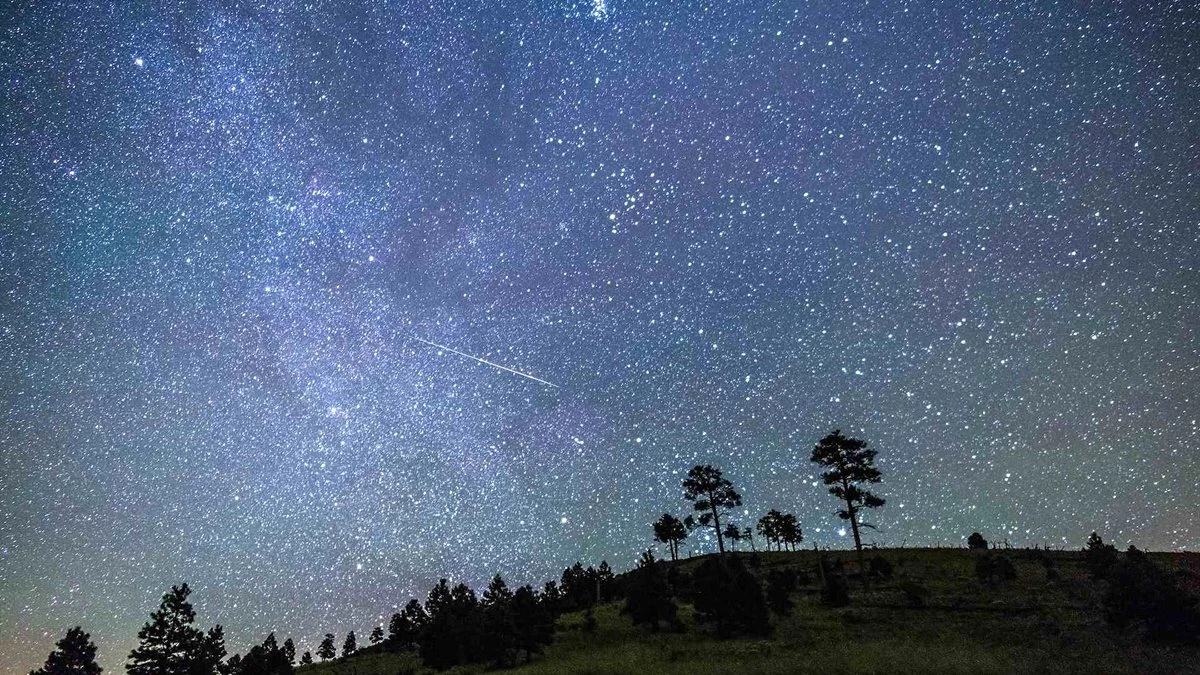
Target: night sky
(232, 237)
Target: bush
(994, 569)
(728, 597)
(1143, 596)
(648, 598)
(914, 594)
(780, 584)
(976, 541)
(834, 592)
(879, 567)
(1099, 556)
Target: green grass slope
(1031, 625)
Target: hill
(932, 614)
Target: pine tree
(712, 495)
(350, 645)
(533, 622)
(769, 526)
(1099, 556)
(670, 530)
(326, 650)
(733, 534)
(648, 598)
(499, 625)
(452, 635)
(497, 593)
(850, 463)
(604, 581)
(289, 650)
(265, 659)
(76, 655)
(406, 625)
(551, 597)
(170, 645)
(789, 531)
(376, 635)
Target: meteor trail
(485, 361)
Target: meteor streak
(485, 361)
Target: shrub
(994, 569)
(780, 584)
(976, 541)
(1141, 595)
(879, 567)
(834, 592)
(914, 594)
(1099, 556)
(728, 597)
(648, 598)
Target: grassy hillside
(1031, 625)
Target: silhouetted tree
(850, 463)
(770, 527)
(712, 495)
(976, 541)
(733, 534)
(780, 584)
(326, 649)
(289, 650)
(452, 634)
(1099, 556)
(728, 597)
(748, 535)
(789, 531)
(604, 581)
(648, 598)
(306, 660)
(579, 586)
(497, 593)
(670, 530)
(533, 622)
(75, 655)
(350, 645)
(265, 659)
(499, 627)
(551, 597)
(376, 635)
(405, 626)
(170, 645)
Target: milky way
(967, 233)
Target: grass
(1032, 625)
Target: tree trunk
(862, 568)
(717, 526)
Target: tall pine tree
(171, 645)
(76, 655)
(712, 495)
(850, 464)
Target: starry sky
(246, 250)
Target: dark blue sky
(966, 233)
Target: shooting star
(485, 361)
